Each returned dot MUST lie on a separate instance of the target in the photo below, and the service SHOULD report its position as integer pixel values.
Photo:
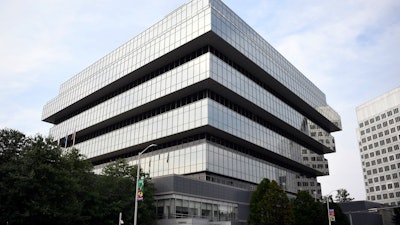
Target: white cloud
(29, 42)
(349, 49)
(45, 42)
(23, 118)
(327, 40)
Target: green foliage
(307, 211)
(107, 196)
(258, 210)
(42, 184)
(11, 144)
(270, 205)
(343, 196)
(120, 168)
(146, 207)
(39, 184)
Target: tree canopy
(307, 211)
(40, 183)
(269, 205)
(343, 196)
(146, 208)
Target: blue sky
(349, 49)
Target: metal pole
(137, 181)
(120, 218)
(351, 219)
(327, 207)
(136, 187)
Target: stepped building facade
(223, 106)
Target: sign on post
(331, 214)
(140, 190)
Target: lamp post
(327, 206)
(137, 181)
(120, 221)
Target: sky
(348, 48)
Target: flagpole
(73, 138)
(137, 181)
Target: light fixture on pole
(137, 181)
(327, 207)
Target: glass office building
(224, 107)
(379, 140)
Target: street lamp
(137, 180)
(327, 206)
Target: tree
(11, 144)
(40, 183)
(269, 205)
(105, 198)
(120, 168)
(307, 211)
(146, 208)
(343, 196)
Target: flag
(73, 136)
(66, 141)
(140, 190)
